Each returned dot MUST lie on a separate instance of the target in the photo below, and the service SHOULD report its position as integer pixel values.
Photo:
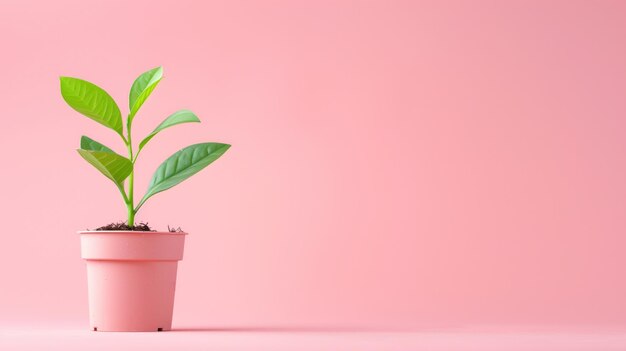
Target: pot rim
(81, 232)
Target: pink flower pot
(131, 278)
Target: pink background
(394, 164)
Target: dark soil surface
(139, 227)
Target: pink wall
(394, 164)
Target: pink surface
(274, 340)
(394, 164)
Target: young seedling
(95, 103)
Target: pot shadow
(292, 329)
(281, 329)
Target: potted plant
(131, 269)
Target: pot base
(106, 331)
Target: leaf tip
(62, 80)
(84, 142)
(225, 148)
(158, 72)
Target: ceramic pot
(131, 278)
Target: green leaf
(92, 101)
(112, 165)
(182, 165)
(87, 143)
(141, 89)
(178, 117)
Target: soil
(139, 227)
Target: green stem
(130, 204)
(121, 188)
